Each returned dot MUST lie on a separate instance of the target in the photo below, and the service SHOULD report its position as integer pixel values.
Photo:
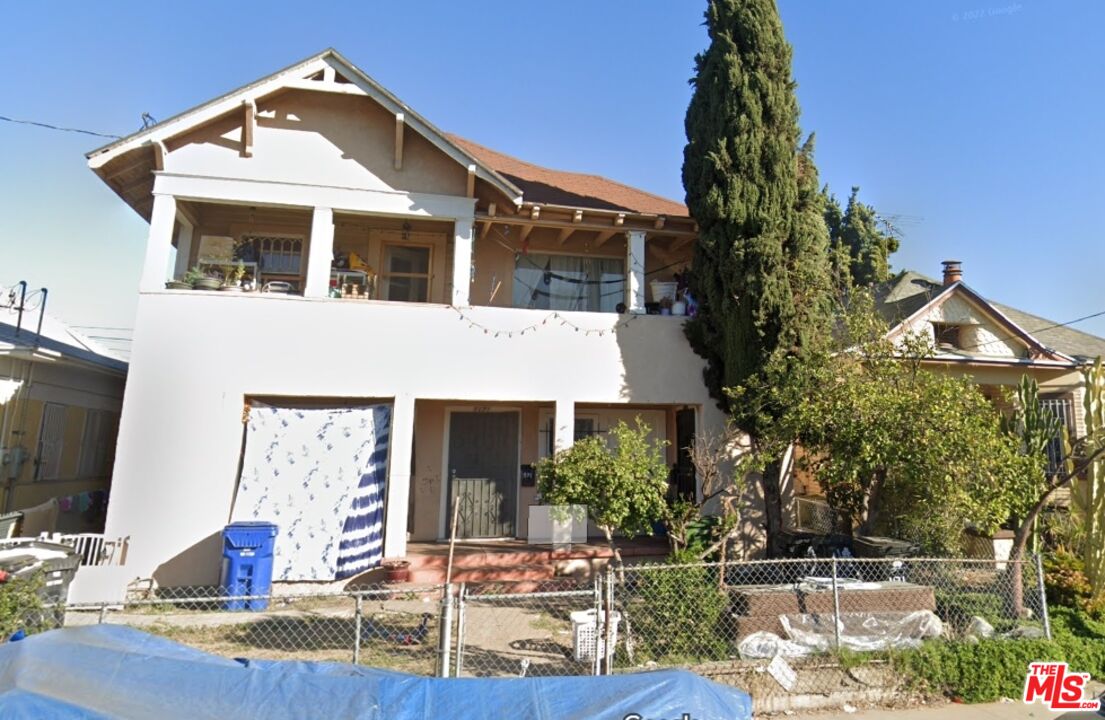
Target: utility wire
(1036, 330)
(48, 126)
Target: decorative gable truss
(962, 324)
(127, 164)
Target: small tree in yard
(903, 451)
(623, 486)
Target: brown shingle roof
(557, 187)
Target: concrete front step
(484, 556)
(487, 573)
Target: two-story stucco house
(410, 318)
(454, 312)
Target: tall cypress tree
(861, 248)
(760, 266)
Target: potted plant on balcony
(397, 571)
(232, 282)
(206, 282)
(186, 281)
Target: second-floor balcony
(354, 257)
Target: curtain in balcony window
(318, 474)
(568, 282)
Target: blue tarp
(107, 671)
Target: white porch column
(564, 436)
(183, 246)
(399, 477)
(320, 253)
(159, 244)
(462, 262)
(635, 270)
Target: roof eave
(167, 128)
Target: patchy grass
(313, 638)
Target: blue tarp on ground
(107, 671)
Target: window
(98, 444)
(406, 275)
(566, 282)
(584, 427)
(279, 255)
(946, 335)
(51, 440)
(1063, 409)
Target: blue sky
(974, 120)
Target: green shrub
(21, 607)
(992, 669)
(1065, 579)
(982, 672)
(682, 614)
(957, 608)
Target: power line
(48, 126)
(1037, 330)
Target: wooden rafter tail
(400, 131)
(248, 122)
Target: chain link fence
(381, 626)
(778, 629)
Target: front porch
(526, 566)
(486, 455)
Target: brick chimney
(953, 272)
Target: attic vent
(946, 337)
(315, 76)
(339, 78)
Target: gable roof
(58, 340)
(906, 294)
(295, 76)
(560, 187)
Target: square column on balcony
(635, 271)
(159, 244)
(462, 263)
(184, 233)
(320, 253)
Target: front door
(483, 473)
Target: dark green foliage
(684, 615)
(860, 248)
(983, 672)
(958, 608)
(993, 669)
(21, 607)
(761, 274)
(760, 260)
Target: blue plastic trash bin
(247, 564)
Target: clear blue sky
(978, 119)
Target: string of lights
(554, 317)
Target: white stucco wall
(197, 356)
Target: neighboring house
(437, 316)
(60, 397)
(994, 344)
